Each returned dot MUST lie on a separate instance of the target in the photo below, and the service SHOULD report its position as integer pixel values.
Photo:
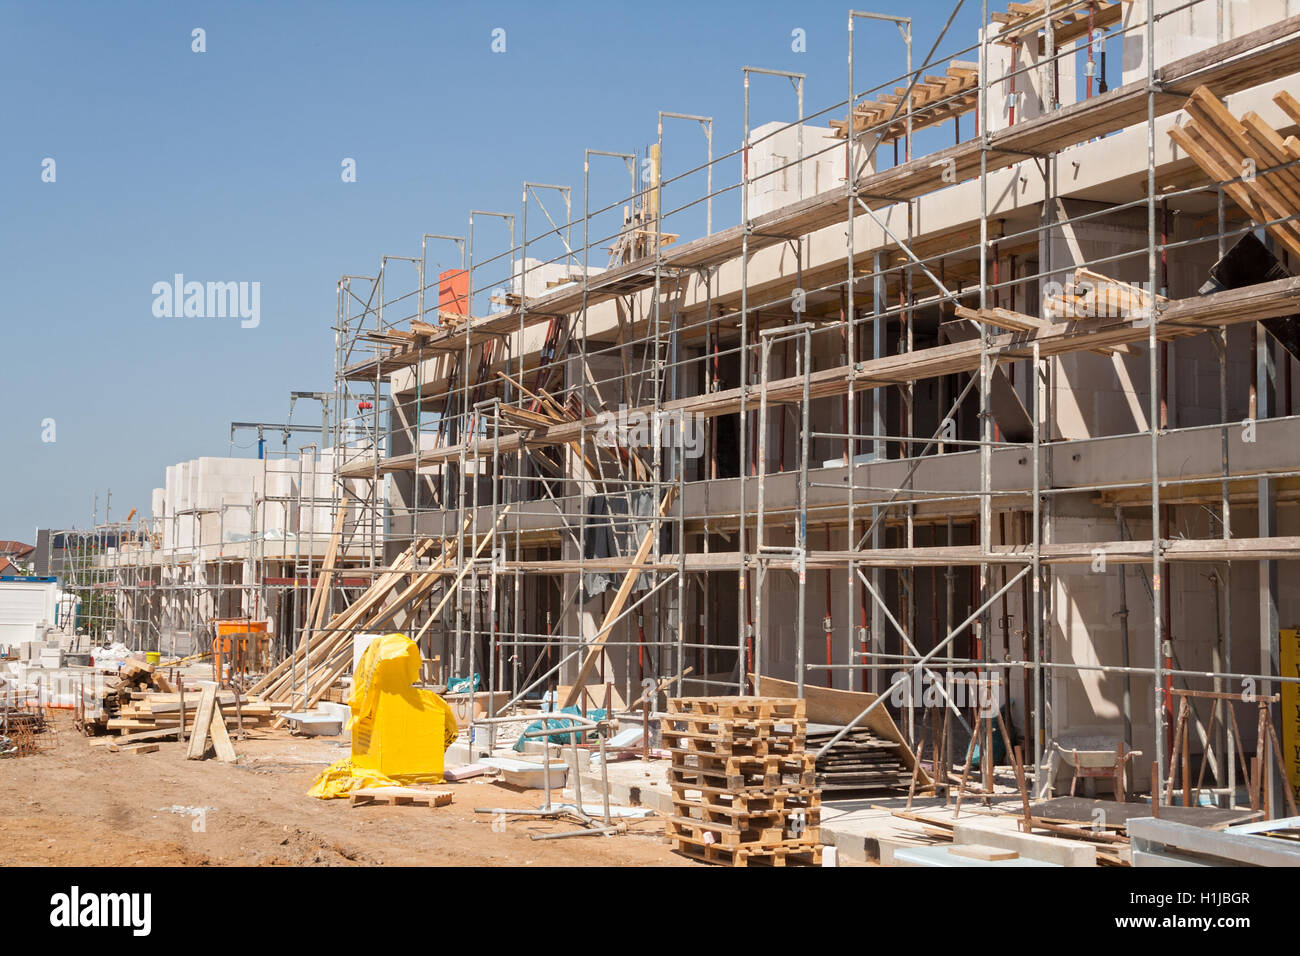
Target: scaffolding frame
(436, 426)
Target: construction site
(912, 483)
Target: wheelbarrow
(1097, 755)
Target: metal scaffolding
(920, 426)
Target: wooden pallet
(792, 853)
(742, 773)
(762, 833)
(400, 796)
(744, 819)
(742, 763)
(743, 746)
(754, 800)
(713, 724)
(768, 708)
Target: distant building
(15, 558)
(16, 551)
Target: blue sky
(225, 166)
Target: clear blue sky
(225, 165)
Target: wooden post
(616, 606)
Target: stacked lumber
(1071, 20)
(158, 711)
(838, 708)
(1244, 155)
(547, 411)
(860, 761)
(743, 787)
(317, 664)
(102, 703)
(933, 100)
(1074, 302)
(1093, 295)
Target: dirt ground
(74, 804)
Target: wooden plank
(379, 589)
(594, 648)
(1227, 132)
(1227, 137)
(1193, 144)
(344, 624)
(333, 672)
(1289, 105)
(1271, 145)
(220, 738)
(159, 733)
(318, 607)
(198, 747)
(977, 851)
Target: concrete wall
(206, 484)
(774, 147)
(1186, 31)
(1029, 88)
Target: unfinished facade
(1017, 407)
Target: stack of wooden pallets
(744, 789)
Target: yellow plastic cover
(399, 732)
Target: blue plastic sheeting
(461, 685)
(561, 736)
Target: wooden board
(158, 733)
(220, 738)
(203, 718)
(595, 647)
(977, 851)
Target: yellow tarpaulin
(399, 732)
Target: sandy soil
(75, 804)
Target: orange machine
(239, 646)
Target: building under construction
(981, 376)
